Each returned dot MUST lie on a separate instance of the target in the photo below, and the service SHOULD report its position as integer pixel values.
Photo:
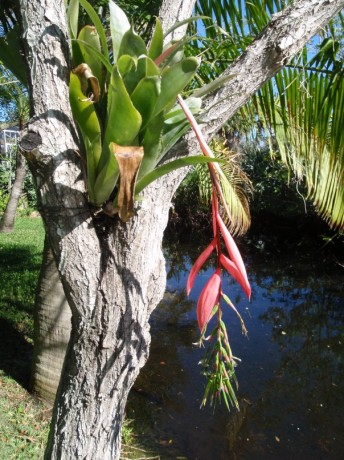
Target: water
(291, 377)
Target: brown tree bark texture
(113, 273)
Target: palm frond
(236, 186)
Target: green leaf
(119, 25)
(145, 67)
(156, 45)
(171, 134)
(181, 23)
(92, 147)
(144, 97)
(132, 44)
(174, 80)
(123, 120)
(126, 64)
(90, 49)
(85, 115)
(152, 145)
(98, 25)
(176, 115)
(212, 86)
(95, 53)
(171, 166)
(106, 180)
(73, 17)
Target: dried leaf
(84, 72)
(129, 159)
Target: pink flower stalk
(234, 265)
(211, 293)
(232, 269)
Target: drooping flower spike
(219, 364)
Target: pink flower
(210, 296)
(198, 265)
(234, 254)
(232, 269)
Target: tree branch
(172, 11)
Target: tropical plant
(130, 120)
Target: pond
(291, 374)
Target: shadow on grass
(15, 354)
(18, 259)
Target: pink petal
(228, 265)
(232, 248)
(209, 297)
(198, 265)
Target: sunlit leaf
(119, 25)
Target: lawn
(23, 420)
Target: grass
(21, 255)
(24, 421)
(23, 425)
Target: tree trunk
(110, 344)
(8, 218)
(52, 325)
(112, 272)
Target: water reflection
(291, 375)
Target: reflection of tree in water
(304, 400)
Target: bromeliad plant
(123, 99)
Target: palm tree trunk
(52, 325)
(7, 221)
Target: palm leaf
(236, 187)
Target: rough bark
(9, 216)
(112, 273)
(175, 11)
(52, 325)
